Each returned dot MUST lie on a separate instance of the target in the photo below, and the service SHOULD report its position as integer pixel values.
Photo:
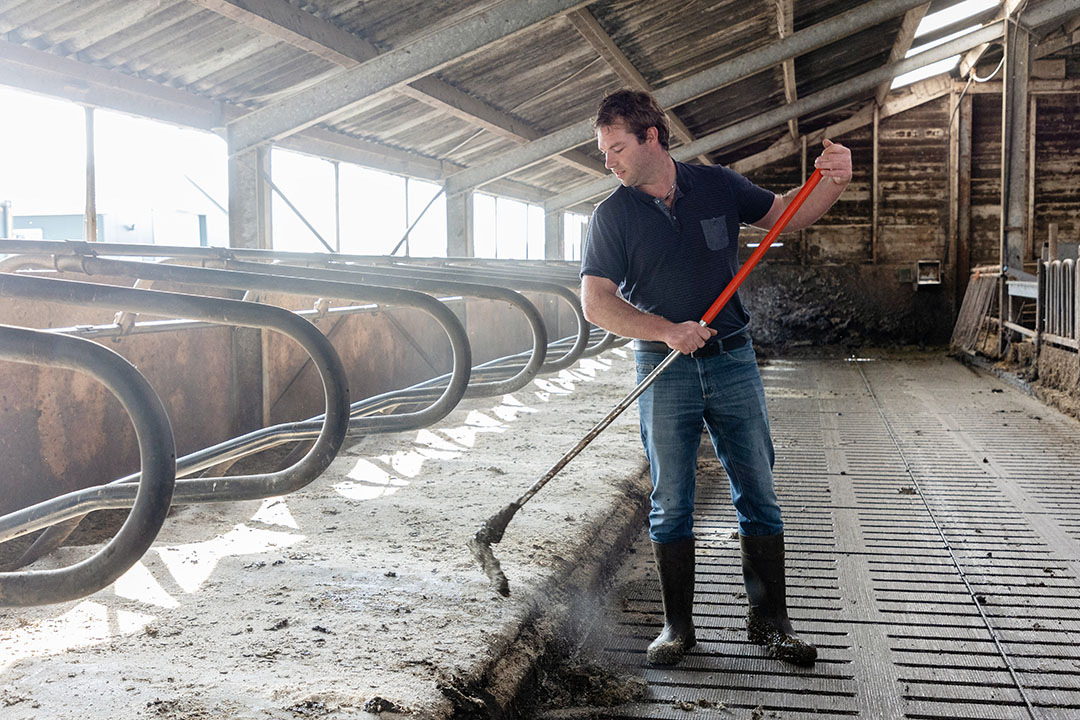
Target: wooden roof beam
(389, 70)
(971, 57)
(687, 89)
(593, 32)
(902, 44)
(785, 26)
(301, 29)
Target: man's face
(623, 154)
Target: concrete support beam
(389, 70)
(7, 220)
(249, 200)
(459, 225)
(90, 222)
(690, 88)
(1051, 11)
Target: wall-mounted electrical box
(927, 272)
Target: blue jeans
(725, 392)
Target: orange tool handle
(777, 228)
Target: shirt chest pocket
(716, 232)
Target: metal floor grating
(932, 518)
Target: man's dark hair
(637, 111)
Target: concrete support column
(1014, 112)
(459, 225)
(554, 235)
(249, 227)
(963, 198)
(7, 220)
(875, 187)
(90, 218)
(249, 199)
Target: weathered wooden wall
(840, 281)
(1057, 159)
(985, 242)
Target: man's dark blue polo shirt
(675, 264)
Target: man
(659, 250)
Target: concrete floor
(933, 526)
(356, 594)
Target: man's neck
(662, 186)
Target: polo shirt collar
(683, 184)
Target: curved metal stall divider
(157, 460)
(122, 493)
(508, 273)
(449, 287)
(371, 287)
(231, 279)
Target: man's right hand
(686, 337)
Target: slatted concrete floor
(933, 526)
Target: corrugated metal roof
(543, 79)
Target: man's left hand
(834, 162)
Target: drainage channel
(933, 535)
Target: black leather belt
(714, 347)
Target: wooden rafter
(902, 44)
(288, 23)
(971, 57)
(585, 23)
(785, 26)
(918, 94)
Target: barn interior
(247, 436)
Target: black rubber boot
(675, 566)
(767, 623)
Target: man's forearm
(615, 315)
(819, 201)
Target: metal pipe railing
(512, 272)
(231, 279)
(560, 271)
(562, 362)
(329, 432)
(387, 284)
(150, 499)
(1059, 303)
(491, 292)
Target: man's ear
(652, 135)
